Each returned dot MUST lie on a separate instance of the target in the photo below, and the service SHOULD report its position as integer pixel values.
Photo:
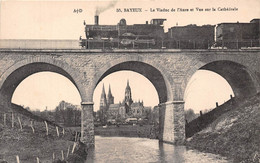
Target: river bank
(234, 135)
(143, 131)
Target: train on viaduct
(152, 36)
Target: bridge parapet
(78, 50)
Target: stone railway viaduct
(168, 70)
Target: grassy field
(28, 146)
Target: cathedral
(125, 109)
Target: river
(143, 150)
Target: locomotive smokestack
(96, 19)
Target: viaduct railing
(114, 44)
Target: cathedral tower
(110, 97)
(128, 96)
(103, 99)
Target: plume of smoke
(111, 4)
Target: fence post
(53, 156)
(38, 160)
(68, 151)
(21, 127)
(62, 155)
(32, 126)
(57, 129)
(17, 159)
(12, 120)
(47, 130)
(73, 148)
(4, 119)
(63, 131)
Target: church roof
(113, 106)
(148, 108)
(135, 104)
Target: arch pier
(172, 122)
(87, 124)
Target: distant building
(125, 109)
(191, 36)
(237, 35)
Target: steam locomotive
(152, 36)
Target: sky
(47, 89)
(57, 20)
(204, 89)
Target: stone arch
(12, 77)
(171, 111)
(240, 78)
(153, 72)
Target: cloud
(100, 9)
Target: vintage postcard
(129, 81)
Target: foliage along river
(143, 150)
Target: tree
(77, 116)
(57, 115)
(69, 121)
(27, 108)
(190, 115)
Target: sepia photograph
(126, 81)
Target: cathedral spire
(110, 97)
(103, 90)
(128, 95)
(103, 99)
(109, 91)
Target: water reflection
(141, 150)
